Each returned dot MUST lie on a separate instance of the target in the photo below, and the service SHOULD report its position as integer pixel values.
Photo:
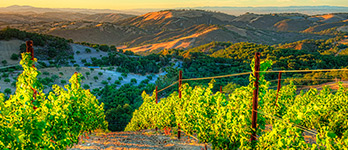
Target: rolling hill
(179, 29)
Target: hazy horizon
(166, 4)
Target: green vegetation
(54, 47)
(221, 58)
(121, 102)
(225, 121)
(4, 62)
(129, 63)
(32, 119)
(14, 56)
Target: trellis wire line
(280, 119)
(246, 73)
(291, 79)
(167, 87)
(304, 86)
(284, 71)
(298, 126)
(223, 76)
(316, 70)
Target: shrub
(104, 82)
(7, 80)
(5, 75)
(124, 74)
(118, 82)
(95, 78)
(86, 86)
(146, 81)
(63, 81)
(4, 62)
(14, 56)
(149, 77)
(8, 91)
(88, 50)
(133, 80)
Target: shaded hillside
(293, 25)
(325, 47)
(183, 29)
(173, 19)
(291, 21)
(31, 17)
(47, 46)
(326, 26)
(227, 34)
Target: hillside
(187, 28)
(38, 18)
(47, 47)
(7, 49)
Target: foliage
(52, 46)
(30, 119)
(225, 121)
(14, 57)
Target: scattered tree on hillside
(63, 82)
(4, 62)
(113, 48)
(88, 50)
(86, 86)
(7, 80)
(87, 74)
(95, 78)
(14, 56)
(133, 80)
(8, 91)
(104, 82)
(104, 48)
(117, 82)
(124, 74)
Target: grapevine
(30, 119)
(225, 120)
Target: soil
(146, 139)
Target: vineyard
(234, 121)
(31, 119)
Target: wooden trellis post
(255, 97)
(180, 82)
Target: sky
(137, 4)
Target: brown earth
(146, 139)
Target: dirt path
(147, 139)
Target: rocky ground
(147, 139)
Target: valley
(104, 69)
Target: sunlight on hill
(183, 42)
(158, 15)
(330, 18)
